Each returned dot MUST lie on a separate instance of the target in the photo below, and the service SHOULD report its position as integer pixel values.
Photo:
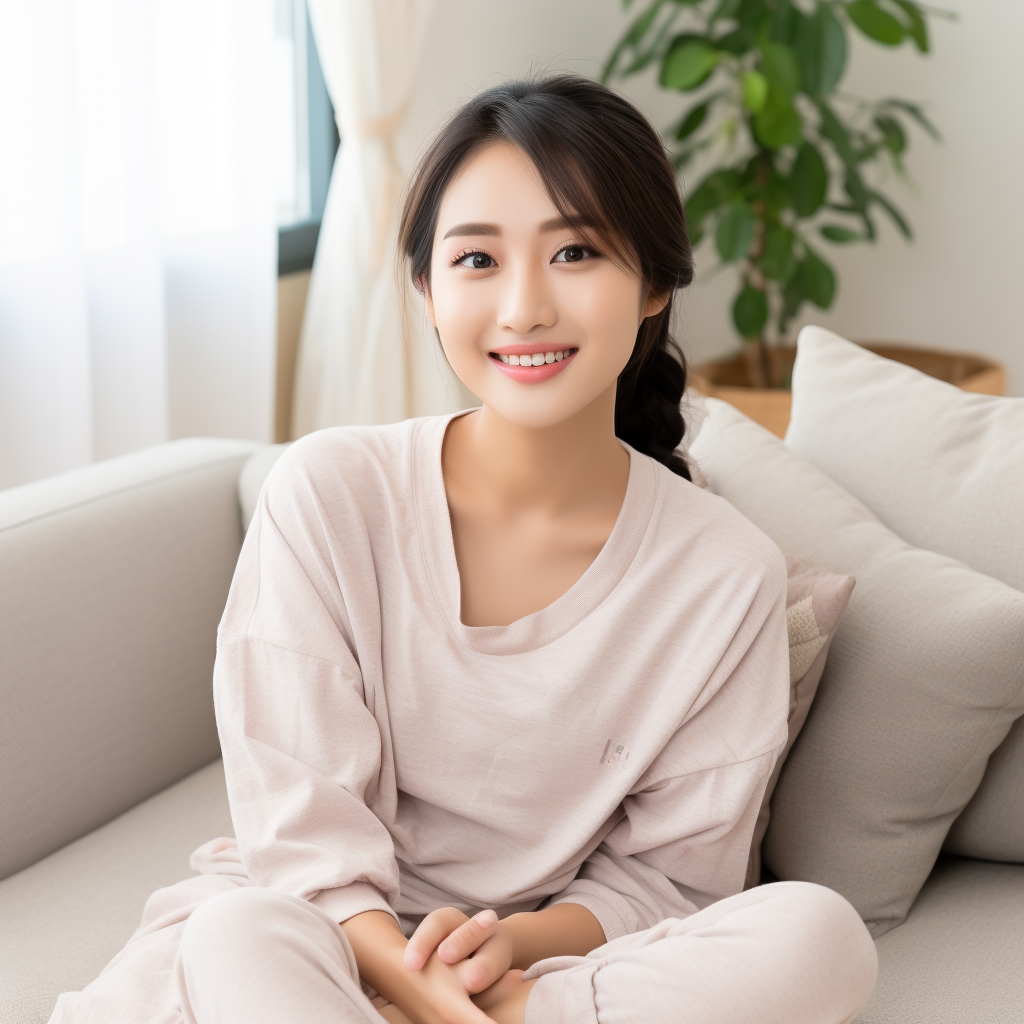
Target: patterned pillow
(815, 601)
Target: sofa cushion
(67, 916)
(945, 470)
(114, 580)
(992, 824)
(957, 957)
(923, 681)
(942, 467)
(250, 480)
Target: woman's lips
(532, 374)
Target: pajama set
(609, 750)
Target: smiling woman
(499, 692)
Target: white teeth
(536, 358)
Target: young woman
(499, 692)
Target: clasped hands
(455, 970)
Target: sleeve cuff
(611, 923)
(349, 900)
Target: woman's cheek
(605, 309)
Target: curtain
(367, 353)
(137, 227)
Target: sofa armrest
(114, 580)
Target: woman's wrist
(379, 947)
(563, 929)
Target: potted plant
(787, 157)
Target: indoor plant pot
(727, 378)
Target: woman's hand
(478, 947)
(435, 994)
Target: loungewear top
(609, 750)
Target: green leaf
(817, 279)
(692, 121)
(688, 63)
(634, 34)
(724, 9)
(897, 217)
(778, 260)
(808, 181)
(839, 233)
(750, 312)
(893, 135)
(917, 28)
(644, 56)
(717, 188)
(734, 233)
(834, 130)
(779, 65)
(875, 23)
(821, 51)
(755, 90)
(914, 111)
(738, 41)
(778, 124)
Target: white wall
(957, 286)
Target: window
(308, 134)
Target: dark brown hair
(603, 164)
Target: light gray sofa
(112, 581)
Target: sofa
(113, 581)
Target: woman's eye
(477, 261)
(572, 254)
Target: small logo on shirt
(615, 753)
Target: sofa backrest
(112, 582)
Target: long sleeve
(302, 749)
(684, 837)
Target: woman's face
(511, 284)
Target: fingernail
(486, 918)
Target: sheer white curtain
(137, 227)
(366, 354)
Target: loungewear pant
(788, 953)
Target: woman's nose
(526, 302)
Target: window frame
(296, 243)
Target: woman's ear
(424, 289)
(655, 303)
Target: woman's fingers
(504, 988)
(467, 937)
(435, 927)
(486, 966)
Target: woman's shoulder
(695, 521)
(363, 468)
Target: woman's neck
(575, 463)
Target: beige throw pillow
(945, 470)
(942, 467)
(923, 680)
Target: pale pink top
(609, 750)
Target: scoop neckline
(541, 627)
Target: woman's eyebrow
(476, 228)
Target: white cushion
(945, 470)
(942, 467)
(923, 681)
